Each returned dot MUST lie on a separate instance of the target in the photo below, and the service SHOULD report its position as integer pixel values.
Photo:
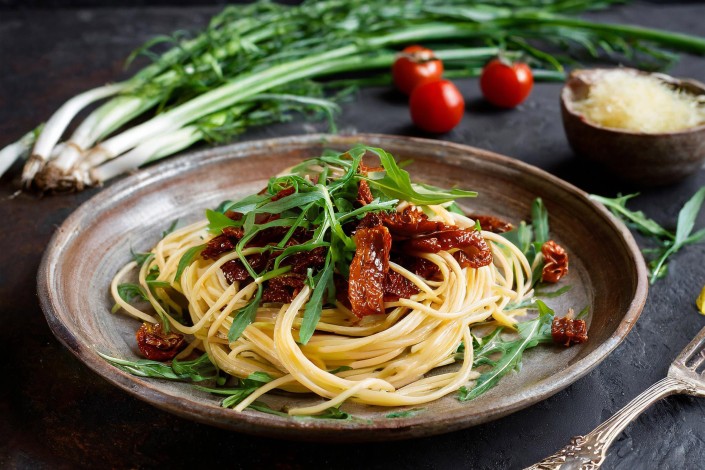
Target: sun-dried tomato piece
(234, 270)
(398, 287)
(470, 241)
(567, 331)
(217, 246)
(419, 266)
(233, 215)
(555, 262)
(283, 289)
(492, 223)
(411, 222)
(364, 194)
(364, 169)
(341, 290)
(156, 345)
(300, 262)
(284, 193)
(368, 270)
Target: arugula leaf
(404, 413)
(330, 413)
(637, 219)
(197, 370)
(396, 184)
(245, 316)
(244, 389)
(669, 242)
(128, 291)
(246, 204)
(140, 258)
(539, 221)
(510, 351)
(186, 259)
(171, 228)
(312, 312)
(217, 221)
(555, 293)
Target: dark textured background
(55, 413)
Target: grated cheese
(641, 103)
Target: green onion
(257, 64)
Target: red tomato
(506, 85)
(436, 106)
(416, 65)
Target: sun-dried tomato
(364, 169)
(368, 270)
(283, 289)
(398, 287)
(300, 262)
(470, 241)
(284, 193)
(567, 331)
(411, 222)
(555, 262)
(217, 246)
(341, 290)
(234, 270)
(419, 266)
(233, 215)
(364, 194)
(492, 223)
(156, 345)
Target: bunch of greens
(668, 242)
(255, 64)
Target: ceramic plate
(607, 273)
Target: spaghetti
(388, 358)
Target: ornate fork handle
(589, 451)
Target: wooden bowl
(645, 159)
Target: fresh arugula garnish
(530, 238)
(140, 258)
(504, 355)
(244, 316)
(312, 313)
(552, 294)
(129, 291)
(186, 259)
(396, 183)
(196, 370)
(171, 228)
(404, 413)
(668, 242)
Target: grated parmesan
(640, 103)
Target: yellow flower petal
(700, 301)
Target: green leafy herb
(396, 184)
(171, 228)
(312, 312)
(668, 242)
(186, 260)
(218, 221)
(244, 389)
(504, 355)
(197, 370)
(404, 413)
(140, 258)
(555, 293)
(129, 291)
(245, 316)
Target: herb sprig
(668, 242)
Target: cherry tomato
(414, 66)
(436, 106)
(506, 85)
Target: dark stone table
(55, 413)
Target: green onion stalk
(259, 63)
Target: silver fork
(686, 375)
